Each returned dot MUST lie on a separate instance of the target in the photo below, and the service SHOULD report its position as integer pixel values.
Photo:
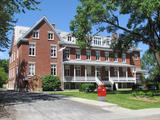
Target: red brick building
(42, 49)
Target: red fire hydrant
(102, 92)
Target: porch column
(95, 71)
(85, 73)
(109, 74)
(126, 73)
(118, 72)
(74, 73)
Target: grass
(122, 99)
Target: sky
(59, 12)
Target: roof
(97, 63)
(34, 26)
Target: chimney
(53, 25)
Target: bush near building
(50, 83)
(87, 87)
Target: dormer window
(69, 38)
(50, 35)
(97, 41)
(36, 34)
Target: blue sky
(60, 12)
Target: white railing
(102, 44)
(123, 79)
(79, 79)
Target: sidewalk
(117, 109)
(104, 105)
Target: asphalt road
(36, 106)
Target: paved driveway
(36, 106)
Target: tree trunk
(157, 56)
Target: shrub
(87, 87)
(50, 83)
(149, 94)
(143, 93)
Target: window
(115, 57)
(31, 69)
(36, 34)
(69, 38)
(53, 69)
(53, 51)
(67, 71)
(97, 41)
(78, 70)
(50, 35)
(136, 56)
(89, 72)
(32, 49)
(98, 71)
(123, 57)
(78, 54)
(66, 54)
(97, 55)
(88, 55)
(124, 70)
(115, 72)
(107, 56)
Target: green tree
(3, 71)
(8, 8)
(3, 76)
(149, 63)
(143, 22)
(4, 64)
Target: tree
(3, 72)
(149, 63)
(4, 64)
(143, 24)
(8, 8)
(3, 77)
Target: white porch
(98, 73)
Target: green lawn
(125, 100)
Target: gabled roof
(34, 26)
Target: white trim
(89, 51)
(51, 32)
(53, 45)
(97, 63)
(78, 50)
(36, 38)
(56, 68)
(34, 72)
(32, 43)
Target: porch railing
(122, 79)
(79, 79)
(94, 79)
